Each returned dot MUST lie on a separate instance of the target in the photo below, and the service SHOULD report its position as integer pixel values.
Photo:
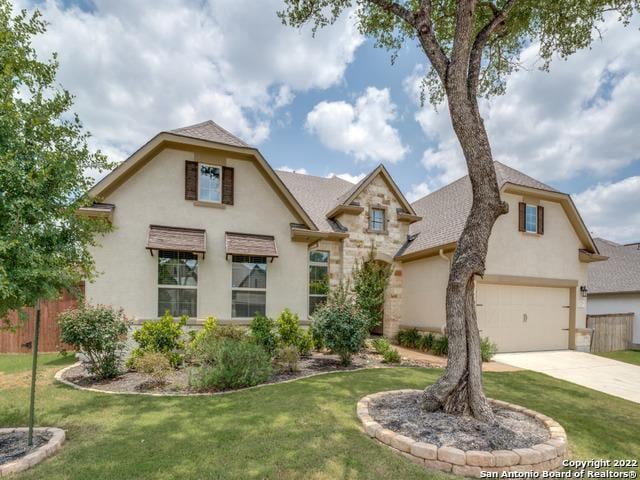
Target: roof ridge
(333, 177)
(216, 133)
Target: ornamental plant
(163, 336)
(370, 281)
(98, 333)
(263, 332)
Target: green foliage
(381, 345)
(263, 332)
(288, 328)
(232, 363)
(316, 338)
(426, 342)
(98, 333)
(287, 359)
(163, 336)
(441, 345)
(370, 280)
(154, 364)
(305, 343)
(391, 356)
(202, 348)
(46, 169)
(341, 325)
(409, 338)
(487, 349)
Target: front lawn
(305, 429)
(12, 363)
(628, 356)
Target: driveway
(599, 373)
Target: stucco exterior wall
(617, 303)
(534, 258)
(155, 195)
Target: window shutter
(191, 180)
(227, 185)
(522, 209)
(540, 220)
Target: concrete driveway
(599, 373)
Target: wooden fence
(20, 340)
(611, 332)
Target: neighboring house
(614, 285)
(204, 226)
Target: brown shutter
(191, 180)
(227, 185)
(540, 220)
(522, 209)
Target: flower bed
(47, 441)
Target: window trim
(207, 202)
(526, 223)
(385, 220)
(248, 289)
(326, 264)
(181, 287)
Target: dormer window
(209, 183)
(377, 221)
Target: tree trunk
(459, 390)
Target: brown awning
(177, 239)
(249, 244)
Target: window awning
(177, 239)
(250, 244)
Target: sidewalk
(441, 362)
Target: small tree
(370, 281)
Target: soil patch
(402, 413)
(14, 445)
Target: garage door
(520, 319)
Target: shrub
(232, 363)
(441, 345)
(263, 332)
(154, 364)
(391, 356)
(370, 280)
(287, 359)
(288, 328)
(316, 338)
(409, 338)
(381, 345)
(341, 325)
(163, 336)
(305, 343)
(98, 333)
(487, 349)
(426, 342)
(203, 348)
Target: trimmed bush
(232, 363)
(316, 338)
(391, 356)
(305, 343)
(263, 332)
(287, 359)
(441, 345)
(154, 364)
(163, 336)
(409, 338)
(98, 333)
(381, 345)
(487, 349)
(426, 342)
(288, 328)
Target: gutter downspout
(444, 257)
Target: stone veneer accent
(38, 455)
(471, 463)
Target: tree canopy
(45, 162)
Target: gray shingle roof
(317, 195)
(444, 212)
(211, 132)
(621, 273)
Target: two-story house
(204, 226)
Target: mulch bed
(178, 381)
(402, 414)
(14, 445)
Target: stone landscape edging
(59, 378)
(471, 463)
(36, 456)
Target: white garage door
(520, 319)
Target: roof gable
(211, 132)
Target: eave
(407, 217)
(427, 252)
(310, 236)
(346, 209)
(587, 257)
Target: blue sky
(335, 105)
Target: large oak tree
(471, 46)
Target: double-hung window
(318, 279)
(177, 283)
(209, 182)
(248, 286)
(531, 218)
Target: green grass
(628, 356)
(301, 430)
(10, 363)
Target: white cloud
(363, 130)
(611, 210)
(285, 168)
(418, 191)
(348, 177)
(581, 118)
(140, 67)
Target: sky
(335, 105)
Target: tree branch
(459, 66)
(396, 9)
